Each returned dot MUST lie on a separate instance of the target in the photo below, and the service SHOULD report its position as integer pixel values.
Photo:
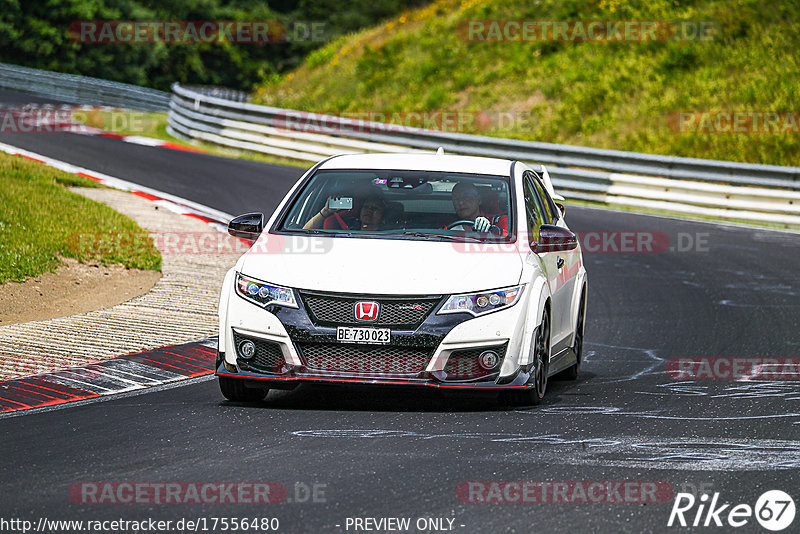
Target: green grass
(42, 221)
(616, 95)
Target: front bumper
(442, 351)
(520, 381)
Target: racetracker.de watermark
(219, 492)
(197, 31)
(592, 31)
(37, 120)
(735, 122)
(381, 121)
(189, 243)
(564, 492)
(603, 242)
(734, 368)
(177, 493)
(47, 118)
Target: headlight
(262, 293)
(483, 301)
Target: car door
(558, 266)
(536, 217)
(567, 265)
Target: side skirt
(563, 360)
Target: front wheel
(235, 390)
(541, 363)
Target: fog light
(488, 359)
(247, 349)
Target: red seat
(336, 221)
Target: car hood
(381, 266)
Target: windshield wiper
(443, 236)
(314, 231)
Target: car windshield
(406, 204)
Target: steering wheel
(459, 222)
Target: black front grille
(401, 312)
(463, 364)
(365, 360)
(268, 357)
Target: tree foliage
(35, 33)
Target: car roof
(421, 162)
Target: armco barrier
(76, 89)
(699, 187)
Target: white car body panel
(384, 266)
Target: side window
(533, 210)
(547, 203)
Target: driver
(467, 203)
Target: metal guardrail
(224, 93)
(762, 193)
(77, 89)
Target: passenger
(467, 203)
(369, 218)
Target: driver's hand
(326, 210)
(481, 224)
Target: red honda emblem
(367, 311)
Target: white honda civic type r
(406, 269)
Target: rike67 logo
(774, 510)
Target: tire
(235, 390)
(534, 395)
(571, 373)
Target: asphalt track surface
(404, 453)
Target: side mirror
(562, 208)
(248, 226)
(554, 239)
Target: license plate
(350, 334)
